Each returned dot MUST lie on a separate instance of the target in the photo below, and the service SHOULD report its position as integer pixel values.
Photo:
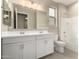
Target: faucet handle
(21, 32)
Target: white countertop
(22, 33)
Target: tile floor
(67, 55)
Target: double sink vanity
(27, 45)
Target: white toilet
(59, 45)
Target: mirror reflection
(24, 18)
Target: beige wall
(73, 9)
(4, 27)
(41, 20)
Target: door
(11, 51)
(29, 50)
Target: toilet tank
(55, 37)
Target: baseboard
(45, 56)
(71, 50)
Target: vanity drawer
(28, 38)
(11, 40)
(45, 36)
(17, 39)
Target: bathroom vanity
(27, 46)
(17, 41)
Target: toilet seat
(60, 43)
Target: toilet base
(59, 46)
(59, 49)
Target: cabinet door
(29, 50)
(40, 48)
(49, 46)
(10, 51)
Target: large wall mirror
(17, 16)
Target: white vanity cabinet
(27, 47)
(22, 48)
(49, 46)
(29, 50)
(45, 45)
(40, 48)
(11, 51)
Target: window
(52, 12)
(52, 16)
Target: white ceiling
(65, 2)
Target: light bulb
(35, 6)
(28, 4)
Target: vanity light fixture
(31, 4)
(36, 6)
